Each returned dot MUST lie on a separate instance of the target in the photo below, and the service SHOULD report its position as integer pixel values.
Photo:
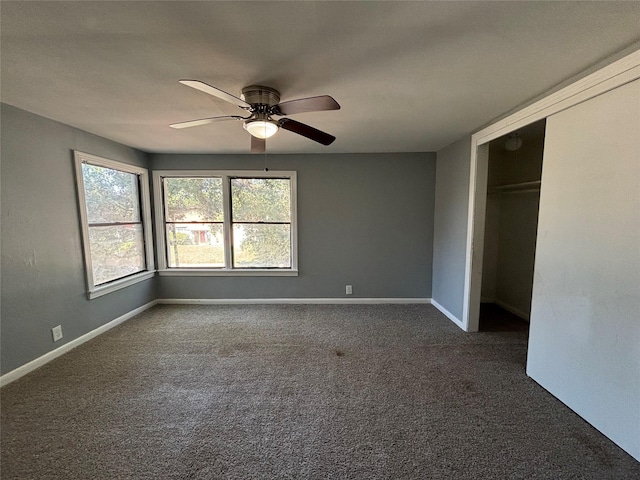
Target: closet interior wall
(513, 195)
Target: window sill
(122, 283)
(202, 272)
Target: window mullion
(228, 236)
(145, 244)
(165, 231)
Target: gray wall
(450, 225)
(43, 277)
(363, 219)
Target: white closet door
(584, 344)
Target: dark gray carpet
(295, 391)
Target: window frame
(93, 290)
(228, 269)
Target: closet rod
(511, 192)
(535, 183)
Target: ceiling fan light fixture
(261, 128)
(261, 102)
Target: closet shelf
(523, 187)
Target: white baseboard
(514, 310)
(292, 301)
(47, 357)
(449, 315)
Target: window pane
(195, 245)
(261, 199)
(193, 199)
(116, 251)
(110, 195)
(262, 245)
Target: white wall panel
(584, 344)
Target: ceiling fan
(263, 103)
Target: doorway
(514, 172)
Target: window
(115, 213)
(226, 223)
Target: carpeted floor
(297, 391)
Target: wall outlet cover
(57, 333)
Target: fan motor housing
(260, 95)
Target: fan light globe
(261, 128)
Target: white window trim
(163, 268)
(93, 290)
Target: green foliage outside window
(260, 215)
(113, 216)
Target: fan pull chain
(265, 148)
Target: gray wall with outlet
(43, 279)
(364, 220)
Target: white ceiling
(410, 76)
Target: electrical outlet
(57, 333)
(349, 290)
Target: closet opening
(511, 219)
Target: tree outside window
(114, 211)
(228, 220)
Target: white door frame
(618, 73)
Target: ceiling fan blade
(311, 104)
(306, 131)
(258, 145)
(216, 92)
(204, 121)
